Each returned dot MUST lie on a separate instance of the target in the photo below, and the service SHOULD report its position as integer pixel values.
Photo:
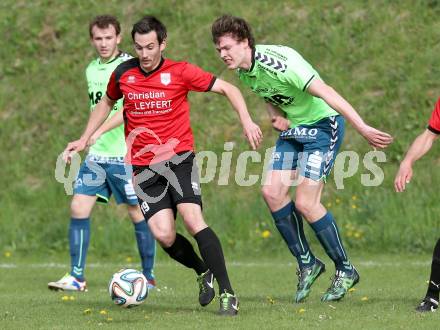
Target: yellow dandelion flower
(71, 298)
(7, 254)
(65, 298)
(354, 197)
(337, 201)
(129, 259)
(87, 311)
(265, 234)
(301, 310)
(329, 204)
(357, 234)
(364, 298)
(270, 300)
(103, 312)
(351, 290)
(109, 319)
(353, 206)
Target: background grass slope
(383, 56)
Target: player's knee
(135, 213)
(194, 222)
(192, 218)
(77, 209)
(270, 194)
(304, 205)
(165, 239)
(195, 225)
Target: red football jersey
(156, 108)
(434, 121)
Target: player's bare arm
(375, 137)
(277, 117)
(251, 130)
(421, 145)
(115, 121)
(96, 118)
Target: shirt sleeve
(197, 79)
(299, 72)
(113, 90)
(434, 121)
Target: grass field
(390, 287)
(385, 62)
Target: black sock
(434, 280)
(182, 251)
(211, 251)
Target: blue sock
(79, 237)
(289, 223)
(328, 234)
(147, 248)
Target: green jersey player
(310, 115)
(104, 172)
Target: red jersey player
(161, 150)
(421, 145)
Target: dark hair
(147, 24)
(104, 21)
(237, 27)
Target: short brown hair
(104, 21)
(147, 24)
(237, 27)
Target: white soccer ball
(128, 288)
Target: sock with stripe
(79, 237)
(434, 280)
(290, 225)
(328, 235)
(146, 247)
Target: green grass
(390, 287)
(381, 55)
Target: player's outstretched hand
(280, 123)
(403, 177)
(73, 147)
(376, 138)
(253, 133)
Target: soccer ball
(128, 288)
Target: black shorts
(166, 184)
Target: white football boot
(68, 283)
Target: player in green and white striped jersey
(104, 172)
(310, 115)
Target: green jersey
(281, 76)
(111, 143)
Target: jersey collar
(147, 74)
(112, 60)
(253, 60)
(249, 72)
